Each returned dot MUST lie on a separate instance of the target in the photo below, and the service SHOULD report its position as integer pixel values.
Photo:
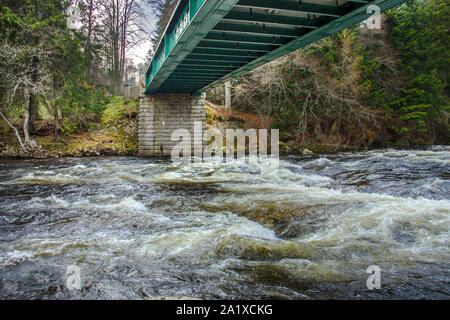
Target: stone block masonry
(160, 115)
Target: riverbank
(112, 134)
(115, 134)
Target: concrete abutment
(160, 115)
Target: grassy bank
(114, 133)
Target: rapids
(143, 228)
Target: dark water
(145, 228)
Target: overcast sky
(139, 53)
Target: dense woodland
(359, 88)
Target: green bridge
(208, 42)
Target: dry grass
(220, 116)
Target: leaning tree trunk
(16, 132)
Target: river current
(144, 228)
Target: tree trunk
(227, 94)
(26, 96)
(52, 110)
(16, 132)
(34, 113)
(33, 102)
(89, 40)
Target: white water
(141, 228)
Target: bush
(119, 109)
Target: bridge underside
(208, 42)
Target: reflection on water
(141, 228)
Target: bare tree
(21, 75)
(263, 90)
(121, 23)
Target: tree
(46, 61)
(89, 10)
(31, 23)
(419, 31)
(163, 10)
(120, 21)
(27, 30)
(20, 73)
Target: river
(143, 228)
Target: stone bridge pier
(161, 114)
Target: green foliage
(119, 109)
(419, 31)
(42, 24)
(387, 86)
(67, 126)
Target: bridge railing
(181, 18)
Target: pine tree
(163, 9)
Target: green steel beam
(244, 55)
(226, 38)
(276, 41)
(222, 73)
(172, 91)
(176, 91)
(257, 30)
(183, 81)
(237, 45)
(178, 82)
(212, 68)
(269, 36)
(353, 17)
(226, 53)
(201, 22)
(240, 16)
(195, 57)
(206, 61)
(203, 46)
(193, 75)
(311, 8)
(198, 81)
(180, 87)
(188, 76)
(212, 64)
(186, 84)
(204, 72)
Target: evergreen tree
(419, 31)
(163, 10)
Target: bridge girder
(208, 42)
